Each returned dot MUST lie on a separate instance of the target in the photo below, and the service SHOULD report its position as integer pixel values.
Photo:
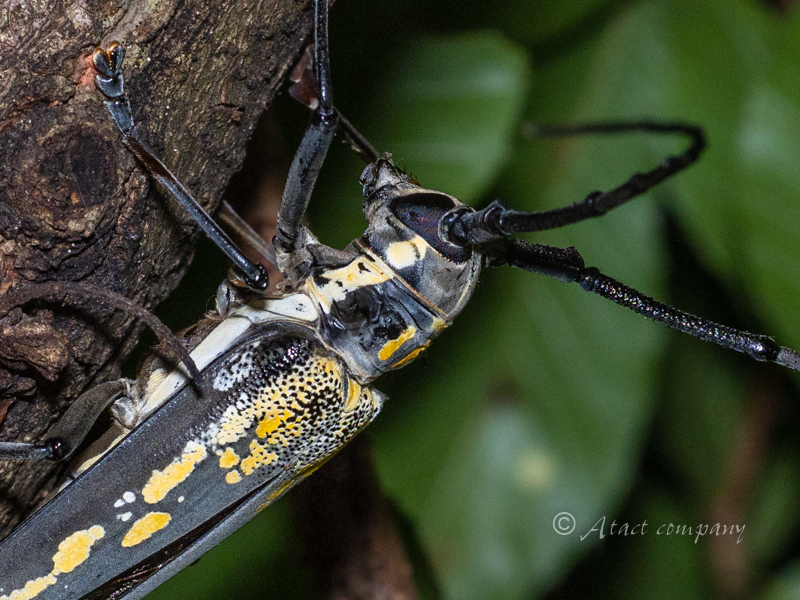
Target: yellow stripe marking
(353, 394)
(32, 589)
(75, 549)
(145, 527)
(161, 482)
(233, 477)
(392, 346)
(340, 282)
(412, 356)
(72, 552)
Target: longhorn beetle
(285, 378)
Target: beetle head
(404, 230)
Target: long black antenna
(496, 221)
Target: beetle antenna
(468, 228)
(110, 81)
(566, 264)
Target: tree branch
(75, 205)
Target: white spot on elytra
(235, 371)
(125, 516)
(119, 503)
(181, 499)
(129, 497)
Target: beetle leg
(567, 265)
(110, 81)
(236, 223)
(316, 140)
(63, 438)
(304, 90)
(467, 228)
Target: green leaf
(449, 109)
(786, 586)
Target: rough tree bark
(75, 206)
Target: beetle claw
(108, 64)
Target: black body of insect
(284, 379)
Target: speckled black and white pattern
(276, 406)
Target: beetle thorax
(384, 298)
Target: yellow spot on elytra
(233, 477)
(279, 491)
(288, 484)
(72, 552)
(233, 427)
(161, 482)
(32, 589)
(353, 394)
(228, 459)
(412, 356)
(390, 347)
(145, 527)
(259, 457)
(75, 549)
(405, 254)
(271, 421)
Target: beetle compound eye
(422, 213)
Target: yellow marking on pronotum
(72, 552)
(228, 459)
(392, 346)
(259, 457)
(161, 482)
(405, 254)
(145, 527)
(359, 273)
(233, 477)
(413, 355)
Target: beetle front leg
(316, 140)
(111, 82)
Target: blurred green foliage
(543, 399)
